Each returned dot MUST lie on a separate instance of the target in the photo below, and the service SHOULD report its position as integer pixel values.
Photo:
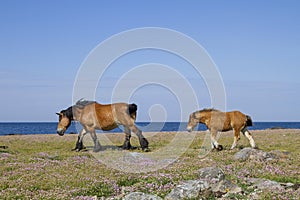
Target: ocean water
(50, 127)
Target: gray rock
(243, 154)
(265, 184)
(141, 196)
(258, 155)
(191, 189)
(225, 187)
(211, 174)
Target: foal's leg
(97, 146)
(236, 138)
(214, 142)
(249, 136)
(79, 143)
(143, 141)
(127, 144)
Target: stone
(259, 155)
(191, 189)
(264, 184)
(224, 187)
(141, 196)
(243, 154)
(211, 174)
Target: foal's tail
(132, 108)
(249, 121)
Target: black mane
(82, 103)
(79, 104)
(208, 110)
(68, 112)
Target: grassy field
(44, 167)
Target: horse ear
(58, 114)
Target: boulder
(225, 187)
(243, 154)
(211, 174)
(264, 184)
(192, 189)
(258, 155)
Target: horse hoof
(220, 148)
(146, 149)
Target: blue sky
(255, 45)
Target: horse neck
(204, 116)
(69, 113)
(76, 113)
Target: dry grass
(44, 167)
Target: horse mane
(209, 110)
(82, 103)
(79, 104)
(68, 112)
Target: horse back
(239, 119)
(112, 115)
(99, 116)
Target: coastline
(15, 128)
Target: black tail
(132, 108)
(249, 121)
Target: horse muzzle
(60, 132)
(189, 129)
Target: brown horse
(216, 120)
(93, 115)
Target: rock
(192, 189)
(243, 154)
(141, 196)
(265, 184)
(225, 187)
(279, 154)
(258, 155)
(211, 174)
(216, 178)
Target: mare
(93, 115)
(216, 121)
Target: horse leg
(97, 146)
(143, 141)
(236, 138)
(127, 144)
(214, 142)
(249, 136)
(79, 143)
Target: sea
(25, 128)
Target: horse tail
(132, 108)
(249, 121)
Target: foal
(93, 115)
(216, 120)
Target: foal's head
(65, 118)
(193, 121)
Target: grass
(44, 167)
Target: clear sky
(255, 45)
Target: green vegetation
(44, 167)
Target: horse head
(64, 120)
(193, 121)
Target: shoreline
(150, 132)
